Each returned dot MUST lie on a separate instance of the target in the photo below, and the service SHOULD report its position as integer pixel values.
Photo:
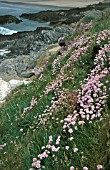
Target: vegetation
(61, 120)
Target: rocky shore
(60, 17)
(6, 19)
(19, 52)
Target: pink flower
(37, 164)
(34, 159)
(85, 168)
(72, 168)
(70, 130)
(99, 166)
(4, 144)
(66, 147)
(71, 138)
(81, 122)
(75, 149)
(48, 146)
(54, 149)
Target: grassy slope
(25, 134)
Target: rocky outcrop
(55, 17)
(9, 19)
(25, 66)
(30, 42)
(7, 87)
(21, 66)
(19, 52)
(10, 68)
(60, 17)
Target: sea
(16, 9)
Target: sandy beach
(59, 3)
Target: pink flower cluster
(78, 43)
(56, 102)
(49, 148)
(103, 35)
(93, 96)
(82, 44)
(36, 163)
(86, 26)
(32, 104)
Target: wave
(6, 31)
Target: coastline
(61, 119)
(56, 3)
(21, 51)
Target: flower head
(85, 168)
(99, 166)
(72, 168)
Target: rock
(29, 42)
(27, 74)
(62, 42)
(7, 87)
(15, 83)
(9, 19)
(53, 49)
(55, 17)
(7, 67)
(36, 70)
(21, 66)
(19, 52)
(60, 17)
(24, 62)
(39, 29)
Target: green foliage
(25, 134)
(88, 19)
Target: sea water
(16, 9)
(5, 31)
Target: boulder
(9, 19)
(7, 87)
(62, 42)
(15, 83)
(27, 74)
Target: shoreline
(22, 50)
(56, 3)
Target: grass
(56, 94)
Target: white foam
(4, 51)
(6, 31)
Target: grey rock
(22, 66)
(27, 74)
(7, 87)
(9, 19)
(19, 52)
